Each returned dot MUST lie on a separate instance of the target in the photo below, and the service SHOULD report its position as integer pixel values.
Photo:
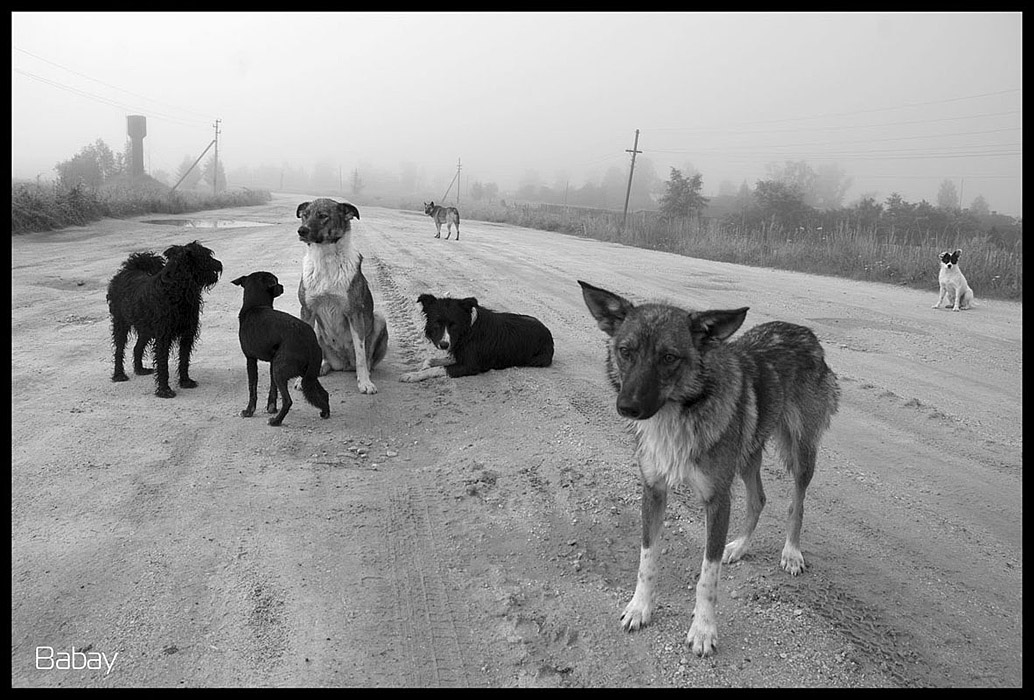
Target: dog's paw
(637, 614)
(735, 550)
(325, 369)
(703, 636)
(410, 377)
(247, 413)
(325, 414)
(271, 407)
(188, 383)
(165, 393)
(792, 560)
(956, 308)
(366, 387)
(276, 420)
(143, 371)
(119, 377)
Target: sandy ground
(484, 531)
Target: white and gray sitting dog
(335, 298)
(954, 290)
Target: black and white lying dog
(479, 339)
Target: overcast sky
(900, 101)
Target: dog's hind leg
(640, 609)
(735, 550)
(249, 410)
(271, 398)
(119, 335)
(162, 346)
(279, 379)
(138, 354)
(801, 460)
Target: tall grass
(48, 207)
(841, 251)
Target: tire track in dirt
(431, 629)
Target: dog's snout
(443, 344)
(629, 409)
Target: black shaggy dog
(479, 339)
(161, 301)
(287, 343)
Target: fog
(899, 101)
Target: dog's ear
(302, 209)
(710, 327)
(348, 210)
(468, 303)
(426, 301)
(239, 281)
(957, 254)
(607, 308)
(172, 251)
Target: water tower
(136, 127)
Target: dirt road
(484, 531)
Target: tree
(477, 191)
(682, 195)
(947, 196)
(357, 183)
(830, 186)
(93, 165)
(782, 203)
(491, 191)
(980, 208)
(192, 179)
(211, 173)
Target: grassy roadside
(843, 251)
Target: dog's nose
(629, 409)
(303, 231)
(444, 345)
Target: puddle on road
(206, 223)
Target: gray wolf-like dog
(954, 290)
(702, 410)
(335, 297)
(287, 343)
(160, 299)
(443, 215)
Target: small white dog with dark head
(954, 290)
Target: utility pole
(628, 192)
(458, 168)
(215, 169)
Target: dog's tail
(315, 394)
(145, 262)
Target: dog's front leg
(186, 346)
(940, 297)
(703, 633)
(362, 366)
(249, 410)
(162, 346)
(640, 609)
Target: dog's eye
(670, 358)
(624, 352)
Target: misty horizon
(899, 102)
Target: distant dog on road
(702, 410)
(287, 343)
(444, 215)
(954, 289)
(335, 297)
(161, 300)
(479, 339)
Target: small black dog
(479, 339)
(287, 343)
(161, 301)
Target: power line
(104, 100)
(849, 114)
(114, 87)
